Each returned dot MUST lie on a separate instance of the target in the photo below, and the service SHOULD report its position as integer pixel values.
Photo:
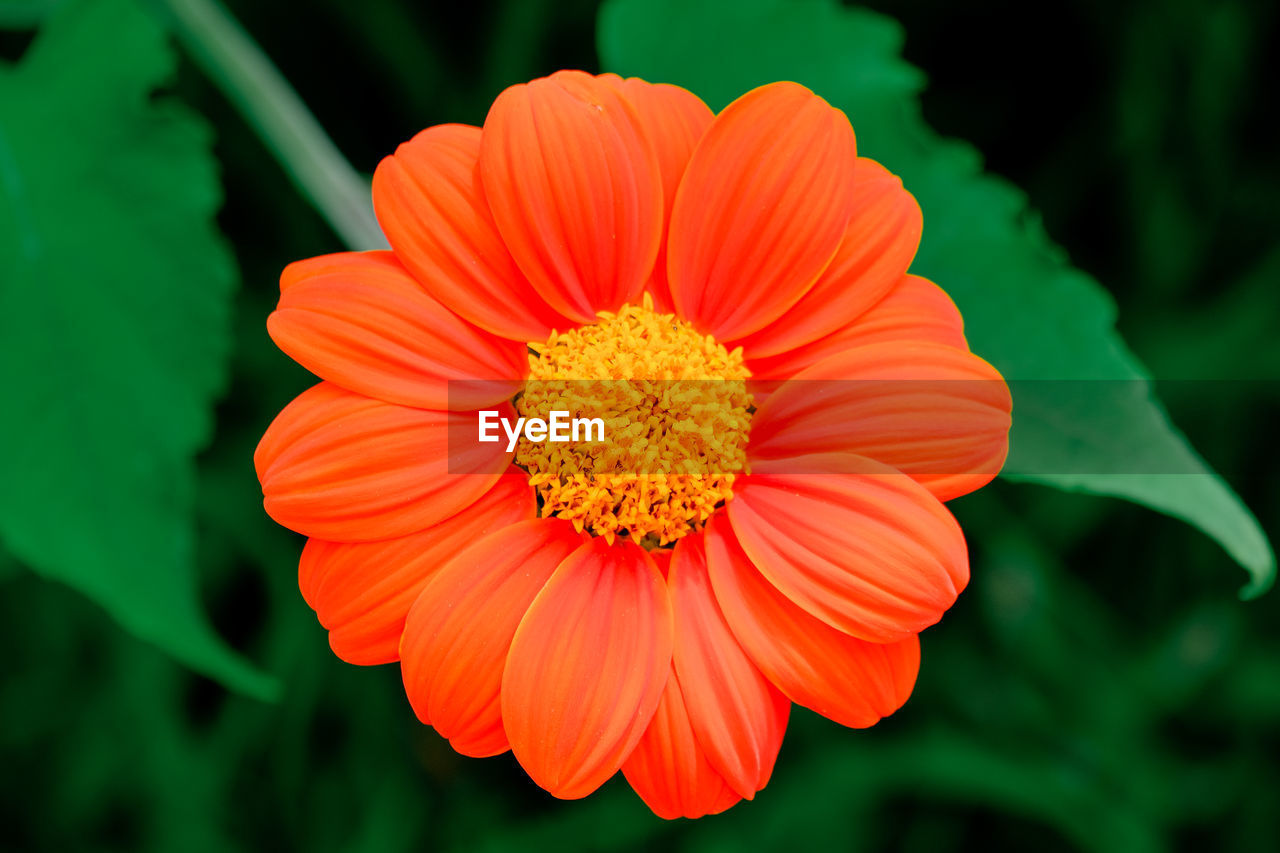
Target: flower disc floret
(676, 413)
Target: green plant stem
(226, 53)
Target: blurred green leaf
(1026, 309)
(24, 14)
(115, 292)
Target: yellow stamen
(675, 428)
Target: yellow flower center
(676, 414)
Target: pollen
(676, 412)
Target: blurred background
(1100, 686)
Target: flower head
(788, 409)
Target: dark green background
(1099, 686)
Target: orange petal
(935, 412)
(668, 768)
(738, 715)
(848, 680)
(343, 467)
(587, 667)
(361, 321)
(761, 210)
(878, 244)
(674, 120)
(855, 543)
(459, 630)
(915, 310)
(430, 205)
(575, 189)
(361, 591)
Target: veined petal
(761, 209)
(575, 189)
(359, 320)
(915, 310)
(861, 546)
(669, 769)
(346, 468)
(877, 247)
(587, 667)
(937, 413)
(429, 202)
(459, 630)
(362, 591)
(848, 680)
(674, 120)
(739, 717)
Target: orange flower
(600, 228)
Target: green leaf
(1026, 309)
(24, 14)
(115, 297)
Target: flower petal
(738, 715)
(674, 120)
(915, 310)
(937, 413)
(361, 591)
(587, 667)
(669, 769)
(878, 244)
(429, 202)
(575, 189)
(864, 548)
(848, 680)
(761, 210)
(359, 320)
(459, 631)
(343, 467)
